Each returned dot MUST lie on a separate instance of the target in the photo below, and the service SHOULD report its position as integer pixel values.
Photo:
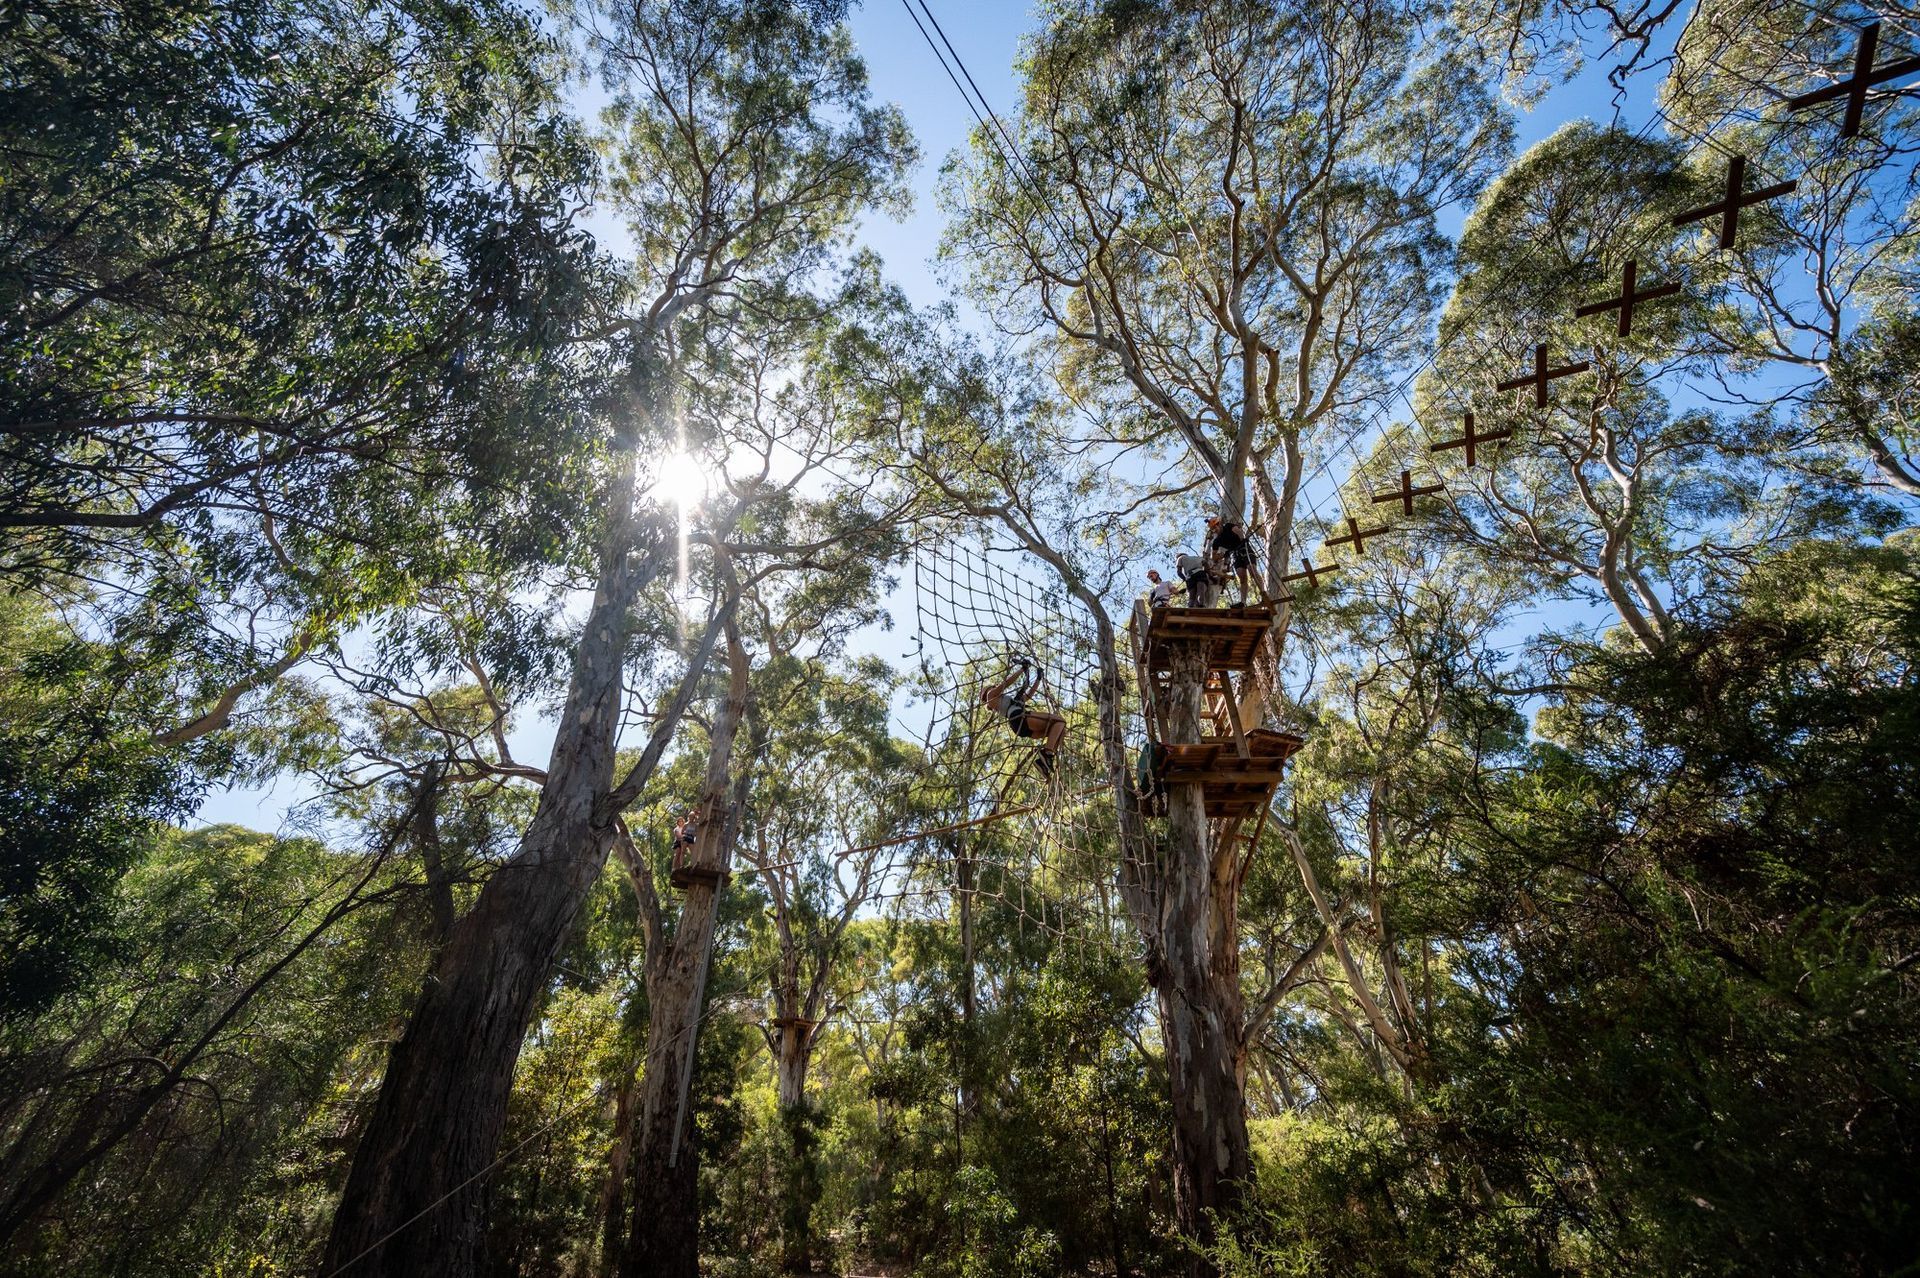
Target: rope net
(1040, 837)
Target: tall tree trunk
(964, 868)
(793, 1053)
(426, 837)
(799, 1119)
(1184, 899)
(1198, 987)
(663, 1240)
(613, 1193)
(969, 997)
(663, 1233)
(413, 1202)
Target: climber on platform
(1161, 593)
(1197, 576)
(1227, 543)
(1009, 698)
(686, 833)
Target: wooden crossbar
(1737, 198)
(1854, 87)
(1631, 295)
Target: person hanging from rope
(1161, 593)
(1227, 542)
(1009, 698)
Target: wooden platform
(1234, 786)
(684, 876)
(1232, 635)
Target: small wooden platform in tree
(690, 866)
(685, 876)
(1234, 787)
(1232, 635)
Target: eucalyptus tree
(1622, 483)
(1820, 278)
(835, 786)
(281, 287)
(801, 568)
(1697, 874)
(1220, 220)
(246, 968)
(741, 145)
(819, 834)
(1816, 320)
(969, 431)
(83, 795)
(663, 1230)
(1407, 716)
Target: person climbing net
(1011, 698)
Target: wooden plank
(1233, 716)
(1223, 778)
(687, 875)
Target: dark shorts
(1016, 712)
(1235, 548)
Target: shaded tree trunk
(663, 1234)
(803, 1188)
(793, 1053)
(1183, 896)
(969, 995)
(965, 868)
(413, 1201)
(1198, 987)
(663, 1240)
(613, 1193)
(426, 836)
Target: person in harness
(686, 832)
(1008, 698)
(1197, 578)
(1147, 785)
(1227, 544)
(1161, 592)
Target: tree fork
(414, 1195)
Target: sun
(682, 480)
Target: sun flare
(682, 479)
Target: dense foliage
(635, 916)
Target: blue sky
(987, 34)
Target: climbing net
(1044, 842)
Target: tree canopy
(736, 805)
